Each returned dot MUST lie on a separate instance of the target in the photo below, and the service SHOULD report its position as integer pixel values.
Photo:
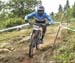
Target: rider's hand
(49, 23)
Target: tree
(73, 12)
(60, 8)
(2, 5)
(21, 7)
(52, 15)
(39, 2)
(67, 11)
(2, 8)
(60, 11)
(67, 5)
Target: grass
(72, 25)
(4, 37)
(10, 22)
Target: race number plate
(35, 27)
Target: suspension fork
(35, 33)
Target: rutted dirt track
(18, 52)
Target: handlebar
(39, 24)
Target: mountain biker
(40, 16)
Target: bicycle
(35, 38)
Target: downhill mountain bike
(35, 38)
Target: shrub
(11, 22)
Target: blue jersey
(40, 18)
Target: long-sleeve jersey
(39, 18)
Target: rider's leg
(43, 32)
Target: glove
(49, 23)
(26, 21)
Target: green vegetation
(73, 13)
(68, 11)
(65, 51)
(9, 22)
(72, 25)
(13, 12)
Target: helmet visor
(40, 11)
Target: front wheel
(38, 40)
(32, 45)
(30, 50)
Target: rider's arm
(49, 19)
(29, 16)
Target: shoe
(41, 41)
